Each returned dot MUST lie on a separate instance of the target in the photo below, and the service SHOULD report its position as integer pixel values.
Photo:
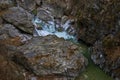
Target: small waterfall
(43, 28)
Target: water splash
(50, 28)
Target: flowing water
(50, 28)
(92, 71)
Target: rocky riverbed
(36, 35)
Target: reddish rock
(8, 69)
(52, 56)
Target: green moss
(34, 12)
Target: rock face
(9, 31)
(99, 20)
(26, 4)
(106, 54)
(20, 18)
(53, 12)
(8, 69)
(41, 56)
(64, 7)
(44, 14)
(52, 56)
(58, 8)
(5, 4)
(99, 26)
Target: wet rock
(44, 14)
(106, 54)
(56, 7)
(60, 7)
(52, 56)
(9, 31)
(98, 25)
(20, 18)
(27, 4)
(59, 26)
(5, 4)
(53, 13)
(39, 2)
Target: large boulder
(52, 56)
(20, 18)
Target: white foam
(50, 29)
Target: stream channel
(92, 72)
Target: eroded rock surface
(52, 56)
(5, 4)
(20, 18)
(27, 4)
(98, 20)
(98, 26)
(106, 54)
(1, 20)
(8, 69)
(9, 31)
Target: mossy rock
(34, 11)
